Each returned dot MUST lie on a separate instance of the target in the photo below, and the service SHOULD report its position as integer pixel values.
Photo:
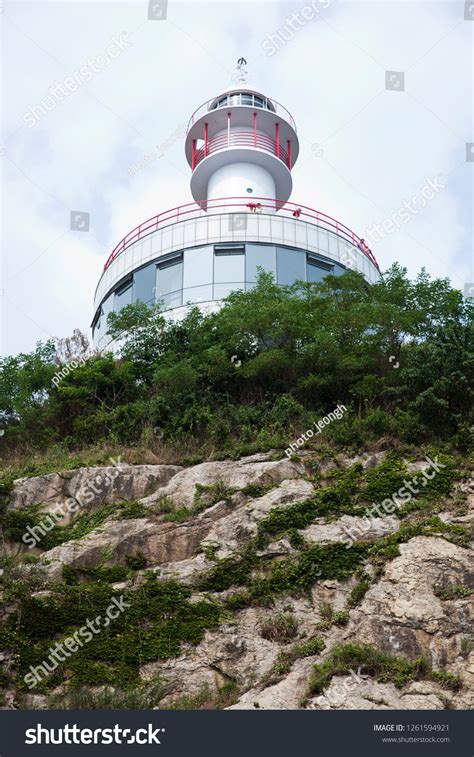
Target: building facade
(241, 147)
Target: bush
(304, 350)
(281, 628)
(379, 665)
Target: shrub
(281, 628)
(136, 562)
(380, 665)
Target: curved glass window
(198, 267)
(290, 266)
(258, 256)
(100, 327)
(169, 281)
(317, 269)
(198, 294)
(203, 274)
(123, 295)
(229, 270)
(244, 98)
(144, 284)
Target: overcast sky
(364, 149)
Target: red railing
(239, 205)
(241, 99)
(241, 139)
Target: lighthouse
(241, 147)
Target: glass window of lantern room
(96, 331)
(229, 265)
(290, 266)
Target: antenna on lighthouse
(241, 74)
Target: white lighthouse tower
(241, 147)
(241, 144)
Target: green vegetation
(307, 648)
(466, 646)
(359, 590)
(15, 522)
(206, 699)
(340, 495)
(141, 697)
(294, 575)
(281, 628)
(304, 350)
(330, 617)
(387, 547)
(207, 496)
(256, 490)
(452, 591)
(132, 510)
(379, 665)
(136, 562)
(158, 621)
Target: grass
(387, 547)
(466, 646)
(358, 592)
(281, 628)
(307, 648)
(382, 666)
(110, 698)
(208, 495)
(295, 574)
(452, 591)
(257, 490)
(52, 533)
(206, 699)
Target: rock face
(228, 523)
(91, 487)
(402, 614)
(406, 607)
(233, 653)
(233, 474)
(359, 694)
(349, 528)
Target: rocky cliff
(257, 583)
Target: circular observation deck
(193, 255)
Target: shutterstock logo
(73, 734)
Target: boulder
(401, 613)
(90, 487)
(234, 474)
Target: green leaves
(256, 374)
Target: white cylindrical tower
(240, 144)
